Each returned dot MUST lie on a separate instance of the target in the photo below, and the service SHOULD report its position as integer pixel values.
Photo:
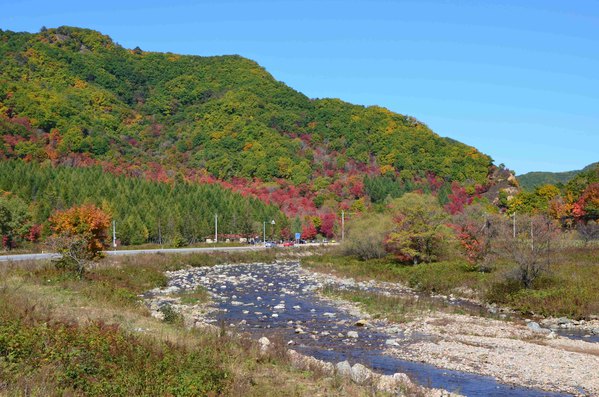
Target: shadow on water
(279, 301)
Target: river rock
(386, 383)
(264, 343)
(564, 322)
(361, 323)
(393, 383)
(402, 378)
(352, 334)
(343, 369)
(535, 327)
(360, 374)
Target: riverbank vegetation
(569, 287)
(61, 334)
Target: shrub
(366, 236)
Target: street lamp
(272, 229)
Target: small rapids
(279, 301)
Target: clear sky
(518, 79)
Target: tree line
(144, 211)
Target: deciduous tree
(419, 233)
(529, 245)
(79, 235)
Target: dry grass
(38, 294)
(570, 287)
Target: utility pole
(159, 233)
(342, 225)
(532, 237)
(216, 228)
(114, 234)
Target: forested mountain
(71, 97)
(531, 180)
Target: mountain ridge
(534, 179)
(73, 96)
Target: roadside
(147, 251)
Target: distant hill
(531, 180)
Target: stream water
(279, 302)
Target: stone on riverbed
(264, 343)
(535, 327)
(352, 334)
(343, 368)
(393, 383)
(360, 374)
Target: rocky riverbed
(449, 351)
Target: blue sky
(517, 79)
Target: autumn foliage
(86, 222)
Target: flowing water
(279, 301)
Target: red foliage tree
(327, 225)
(458, 199)
(308, 230)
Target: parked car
(288, 244)
(270, 244)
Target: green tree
(420, 232)
(15, 220)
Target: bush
(171, 316)
(366, 236)
(101, 360)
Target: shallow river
(278, 301)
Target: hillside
(72, 97)
(532, 180)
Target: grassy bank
(60, 335)
(569, 288)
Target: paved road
(28, 257)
